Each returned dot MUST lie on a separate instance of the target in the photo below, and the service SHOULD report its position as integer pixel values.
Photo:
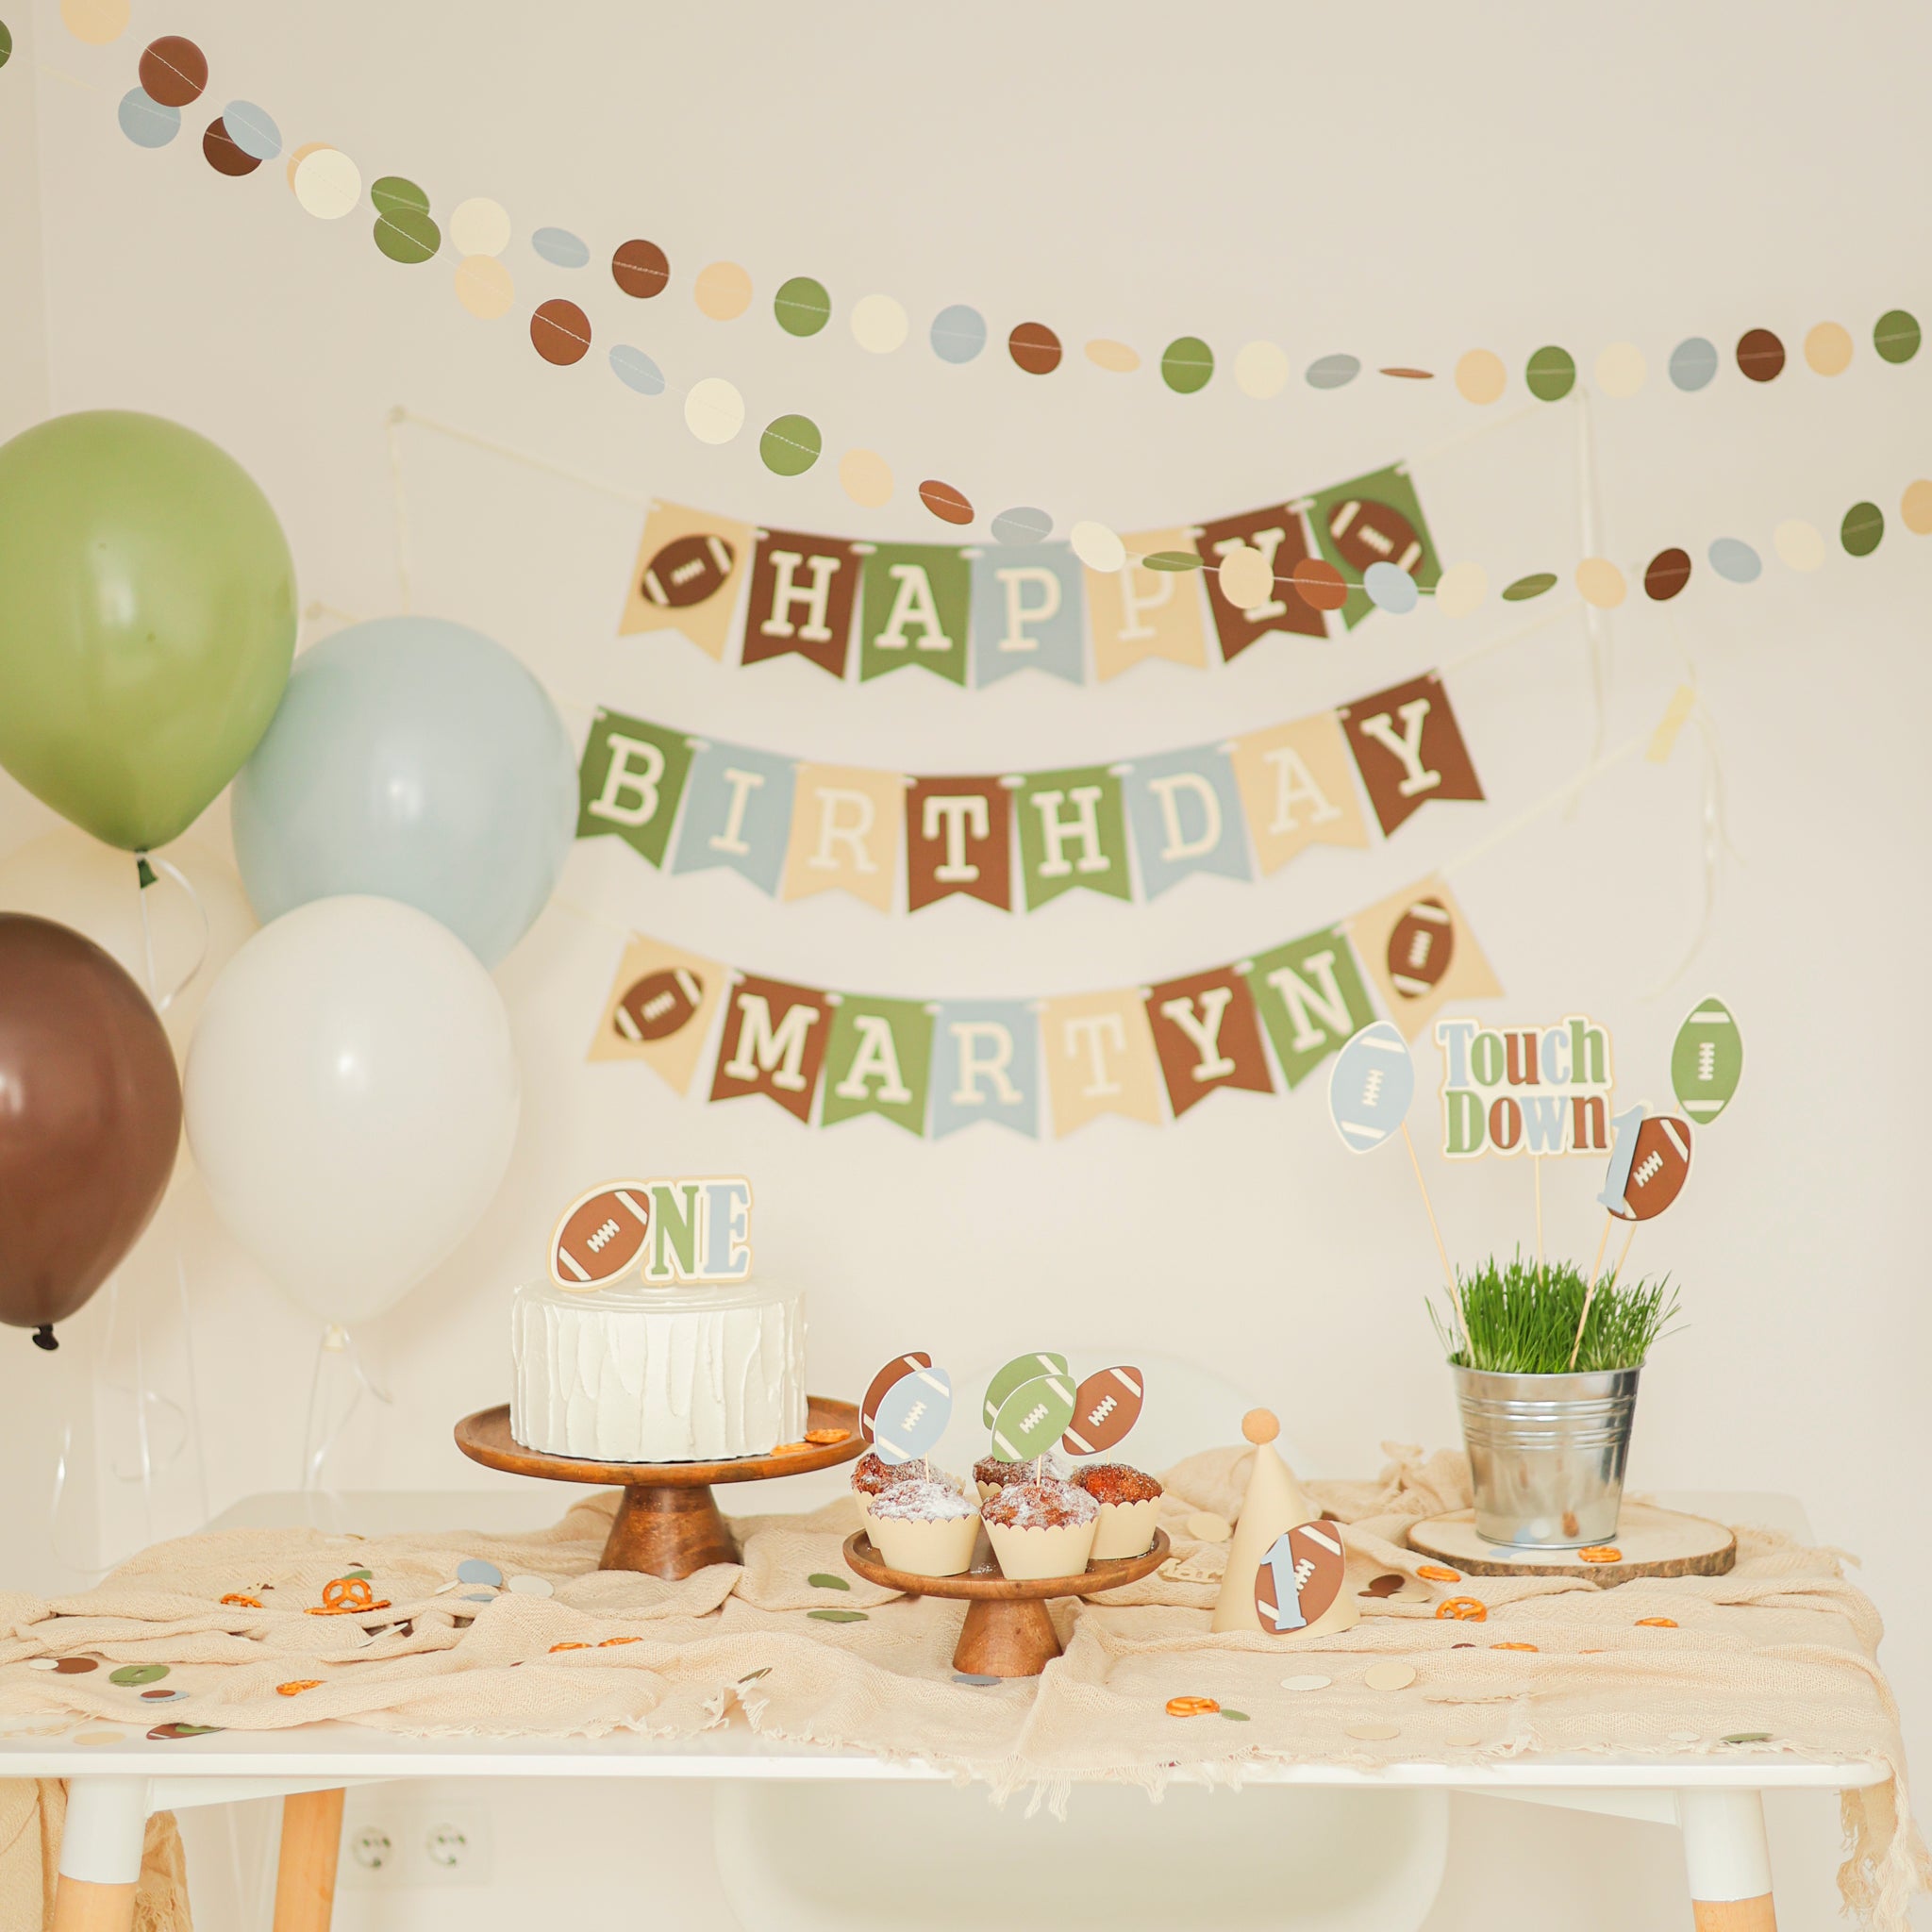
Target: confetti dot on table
(822, 1579)
(879, 323)
(1187, 365)
(1862, 530)
(147, 122)
(561, 332)
(973, 1677)
(480, 227)
(408, 234)
(957, 333)
(43, 1663)
(1035, 348)
(1240, 1717)
(174, 71)
(721, 291)
(1319, 583)
(1260, 370)
(1246, 581)
(1761, 355)
(1828, 348)
(839, 1616)
(1311, 1680)
(1746, 1737)
(1373, 1734)
(1896, 334)
(1097, 547)
(478, 1570)
(1464, 1741)
(96, 22)
(640, 269)
(252, 129)
(1117, 357)
(790, 446)
(477, 1597)
(100, 1737)
(1915, 508)
(945, 502)
(1534, 584)
(1551, 374)
(530, 1586)
(866, 478)
(1480, 377)
(75, 1666)
(1620, 370)
(1693, 364)
(1684, 1737)
(327, 184)
(714, 410)
(1332, 372)
(1381, 1586)
(130, 1675)
(223, 155)
(1461, 589)
(1798, 545)
(484, 287)
(1390, 588)
(161, 1696)
(168, 1734)
(1735, 560)
(1599, 582)
(561, 249)
(1022, 524)
(636, 370)
(802, 305)
(1667, 574)
(1389, 1676)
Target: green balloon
(146, 625)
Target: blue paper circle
(145, 121)
(1734, 559)
(1693, 362)
(1332, 372)
(636, 370)
(561, 249)
(1390, 588)
(478, 1570)
(252, 130)
(1021, 526)
(959, 333)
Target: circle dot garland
(1480, 377)
(1736, 561)
(1896, 336)
(1829, 349)
(802, 305)
(484, 287)
(1332, 372)
(1915, 508)
(1187, 365)
(957, 333)
(1760, 356)
(174, 71)
(327, 184)
(1534, 584)
(640, 269)
(561, 249)
(1117, 359)
(147, 122)
(1260, 370)
(1551, 375)
(1693, 364)
(1668, 571)
(1798, 545)
(636, 370)
(790, 446)
(866, 478)
(723, 290)
(561, 332)
(879, 324)
(713, 410)
(480, 227)
(1862, 530)
(1022, 524)
(1035, 348)
(1620, 370)
(224, 154)
(947, 504)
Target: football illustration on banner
(600, 1235)
(910, 1420)
(1420, 948)
(1660, 1164)
(657, 1005)
(1032, 1419)
(1300, 1577)
(1708, 1061)
(687, 571)
(882, 1385)
(1370, 1087)
(1105, 1406)
(1367, 532)
(1022, 1368)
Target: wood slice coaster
(1649, 1542)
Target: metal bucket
(1547, 1453)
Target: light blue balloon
(414, 758)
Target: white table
(112, 1790)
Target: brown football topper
(600, 1236)
(1299, 1578)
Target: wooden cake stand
(668, 1523)
(1649, 1542)
(1007, 1632)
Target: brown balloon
(89, 1120)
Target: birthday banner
(1151, 1053)
(975, 614)
(1241, 810)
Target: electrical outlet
(371, 1848)
(400, 1839)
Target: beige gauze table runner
(1783, 1646)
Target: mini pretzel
(247, 1603)
(556, 1647)
(609, 1640)
(1512, 1646)
(1436, 1573)
(1191, 1706)
(823, 1439)
(295, 1687)
(1601, 1553)
(1465, 1609)
(347, 1593)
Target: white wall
(1404, 188)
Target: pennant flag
(629, 781)
(1139, 613)
(659, 1010)
(986, 1066)
(1297, 785)
(802, 592)
(774, 1044)
(1373, 519)
(1072, 832)
(738, 810)
(689, 567)
(1311, 999)
(1408, 748)
(1099, 1059)
(1028, 610)
(1186, 815)
(1416, 948)
(878, 1061)
(1207, 1037)
(1282, 538)
(958, 839)
(845, 824)
(915, 602)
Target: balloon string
(196, 1428)
(194, 899)
(334, 1339)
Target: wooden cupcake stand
(668, 1523)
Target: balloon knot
(143, 871)
(43, 1336)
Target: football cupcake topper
(1022, 1368)
(1031, 1418)
(1105, 1406)
(1708, 1061)
(911, 1416)
(884, 1381)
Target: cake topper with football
(670, 1232)
(1537, 1090)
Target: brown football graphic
(1105, 1406)
(688, 570)
(1366, 532)
(884, 1382)
(1658, 1167)
(1299, 1578)
(657, 1005)
(600, 1234)
(1420, 948)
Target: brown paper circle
(173, 71)
(1320, 586)
(561, 332)
(1761, 355)
(639, 269)
(945, 502)
(1035, 348)
(224, 157)
(1668, 571)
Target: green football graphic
(1032, 1418)
(1022, 1368)
(1708, 1061)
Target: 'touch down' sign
(1525, 1090)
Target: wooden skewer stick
(1436, 1230)
(1590, 1293)
(1596, 1266)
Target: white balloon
(352, 1099)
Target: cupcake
(1129, 1509)
(1041, 1529)
(926, 1527)
(992, 1475)
(873, 1475)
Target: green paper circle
(1551, 375)
(406, 234)
(130, 1675)
(395, 192)
(801, 307)
(1523, 588)
(1172, 559)
(1862, 530)
(1896, 334)
(790, 446)
(1187, 364)
(6, 42)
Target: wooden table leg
(306, 1870)
(1728, 1860)
(100, 1855)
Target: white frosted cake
(638, 1374)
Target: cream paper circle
(327, 184)
(1245, 578)
(479, 226)
(1828, 348)
(879, 323)
(1798, 545)
(1915, 508)
(1461, 589)
(714, 410)
(723, 291)
(866, 478)
(96, 22)
(1480, 377)
(1117, 356)
(1620, 370)
(1097, 547)
(1599, 582)
(1260, 370)
(484, 285)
